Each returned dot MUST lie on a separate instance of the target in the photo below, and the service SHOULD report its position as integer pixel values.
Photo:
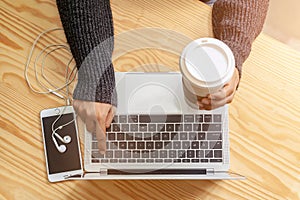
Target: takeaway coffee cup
(206, 64)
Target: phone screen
(69, 160)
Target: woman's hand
(97, 117)
(222, 96)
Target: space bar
(160, 118)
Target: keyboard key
(140, 160)
(94, 145)
(104, 160)
(127, 154)
(111, 136)
(199, 118)
(145, 154)
(129, 136)
(149, 145)
(97, 154)
(116, 127)
(149, 160)
(167, 145)
(170, 127)
(124, 127)
(165, 136)
(152, 127)
(113, 160)
(140, 145)
(95, 161)
(132, 119)
(188, 127)
(211, 127)
(122, 119)
(163, 154)
(188, 118)
(195, 145)
(94, 137)
(122, 161)
(181, 154)
(154, 154)
(143, 127)
(134, 127)
(113, 145)
(217, 118)
(195, 160)
(208, 154)
(215, 144)
(218, 153)
(204, 160)
(183, 136)
(167, 160)
(161, 127)
(186, 160)
(203, 145)
(214, 136)
(172, 154)
(196, 127)
(201, 136)
(131, 160)
(178, 127)
(136, 154)
(109, 154)
(118, 154)
(215, 160)
(186, 144)
(115, 119)
(158, 145)
(131, 145)
(176, 145)
(177, 160)
(156, 136)
(138, 136)
(192, 135)
(174, 136)
(190, 153)
(122, 145)
(199, 154)
(147, 136)
(207, 118)
(120, 136)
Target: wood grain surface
(264, 116)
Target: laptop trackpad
(156, 95)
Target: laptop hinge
(210, 171)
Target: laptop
(155, 134)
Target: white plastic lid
(208, 61)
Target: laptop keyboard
(162, 139)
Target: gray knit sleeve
(88, 26)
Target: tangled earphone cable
(69, 77)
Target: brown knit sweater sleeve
(238, 23)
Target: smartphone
(62, 149)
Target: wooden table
(264, 117)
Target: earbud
(66, 139)
(61, 148)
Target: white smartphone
(62, 149)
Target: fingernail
(102, 152)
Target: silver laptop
(157, 135)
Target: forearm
(88, 26)
(238, 23)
